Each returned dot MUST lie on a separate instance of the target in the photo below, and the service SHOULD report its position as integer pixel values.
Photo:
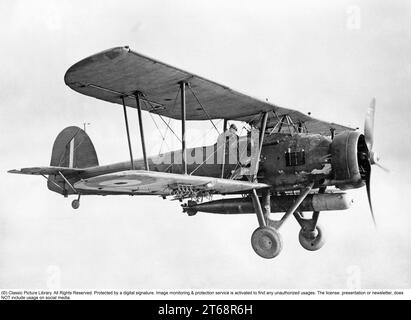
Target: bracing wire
(205, 111)
(162, 136)
(165, 122)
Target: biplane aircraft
(287, 162)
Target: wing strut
(183, 125)
(128, 133)
(224, 147)
(260, 147)
(140, 124)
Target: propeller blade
(382, 167)
(368, 186)
(369, 125)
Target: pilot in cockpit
(230, 134)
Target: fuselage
(287, 162)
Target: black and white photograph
(196, 150)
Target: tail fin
(72, 149)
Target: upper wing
(161, 183)
(118, 72)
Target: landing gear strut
(75, 204)
(266, 240)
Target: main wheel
(75, 204)
(266, 242)
(311, 240)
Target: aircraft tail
(72, 149)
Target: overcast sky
(325, 57)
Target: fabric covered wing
(161, 183)
(118, 72)
(47, 171)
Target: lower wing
(135, 182)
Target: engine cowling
(348, 150)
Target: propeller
(372, 157)
(369, 125)
(368, 187)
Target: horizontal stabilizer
(162, 183)
(47, 171)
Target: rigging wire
(207, 133)
(202, 163)
(162, 136)
(202, 107)
(165, 135)
(209, 118)
(238, 161)
(165, 122)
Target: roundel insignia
(119, 181)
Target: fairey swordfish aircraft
(288, 162)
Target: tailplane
(72, 153)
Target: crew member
(230, 136)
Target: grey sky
(300, 54)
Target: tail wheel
(311, 240)
(75, 204)
(266, 242)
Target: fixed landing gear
(266, 239)
(75, 204)
(266, 242)
(311, 236)
(311, 240)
